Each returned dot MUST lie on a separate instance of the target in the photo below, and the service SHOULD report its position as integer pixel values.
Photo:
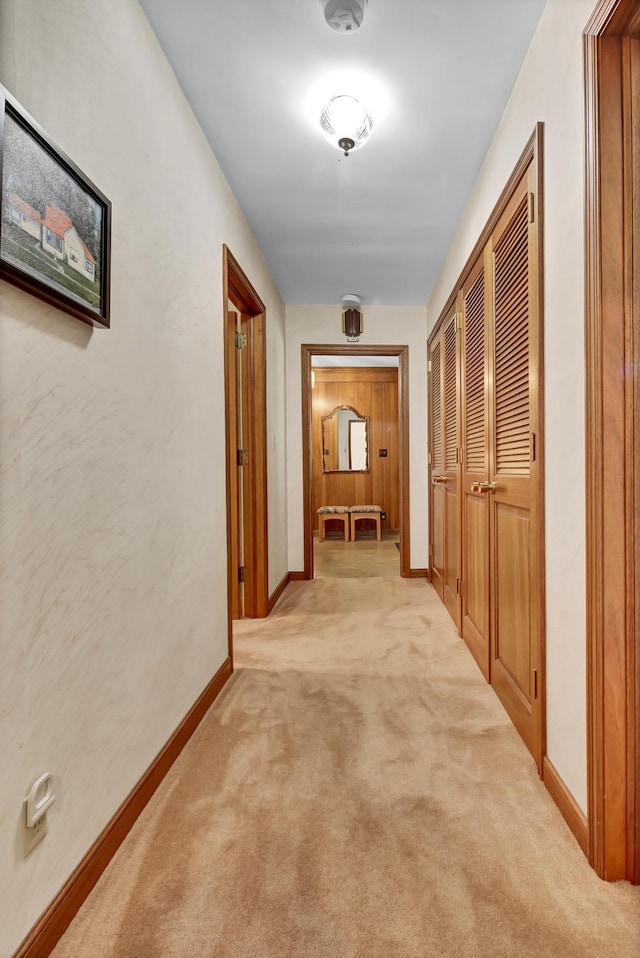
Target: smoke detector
(344, 16)
(351, 301)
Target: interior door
(475, 467)
(515, 631)
(451, 455)
(241, 596)
(235, 497)
(437, 476)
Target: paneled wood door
(451, 456)
(511, 487)
(436, 471)
(444, 398)
(475, 465)
(496, 489)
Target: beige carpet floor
(336, 559)
(356, 792)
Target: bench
(327, 513)
(365, 512)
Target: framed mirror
(345, 441)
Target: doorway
(378, 448)
(246, 446)
(612, 85)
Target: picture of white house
(61, 239)
(56, 233)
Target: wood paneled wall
(374, 393)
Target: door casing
(238, 290)
(612, 339)
(402, 352)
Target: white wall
(383, 325)
(112, 468)
(549, 88)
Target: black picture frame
(55, 224)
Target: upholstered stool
(365, 512)
(326, 513)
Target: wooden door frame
(237, 289)
(402, 352)
(612, 341)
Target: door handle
(436, 479)
(483, 487)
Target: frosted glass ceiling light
(346, 123)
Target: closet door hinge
(535, 683)
(459, 454)
(458, 321)
(532, 202)
(430, 458)
(242, 457)
(241, 340)
(429, 366)
(243, 573)
(459, 587)
(532, 447)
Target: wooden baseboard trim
(417, 574)
(297, 577)
(279, 589)
(569, 808)
(46, 933)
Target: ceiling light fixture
(344, 16)
(346, 123)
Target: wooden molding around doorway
(612, 340)
(402, 352)
(237, 289)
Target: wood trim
(355, 374)
(279, 589)
(567, 805)
(237, 289)
(612, 282)
(519, 170)
(297, 577)
(402, 352)
(418, 574)
(56, 919)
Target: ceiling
(436, 74)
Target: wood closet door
(475, 466)
(436, 476)
(450, 504)
(513, 374)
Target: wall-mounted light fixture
(351, 317)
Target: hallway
(356, 790)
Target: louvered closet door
(475, 466)
(450, 417)
(515, 642)
(436, 485)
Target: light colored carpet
(356, 792)
(336, 559)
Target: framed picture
(55, 225)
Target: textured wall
(112, 473)
(549, 88)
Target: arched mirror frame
(325, 452)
